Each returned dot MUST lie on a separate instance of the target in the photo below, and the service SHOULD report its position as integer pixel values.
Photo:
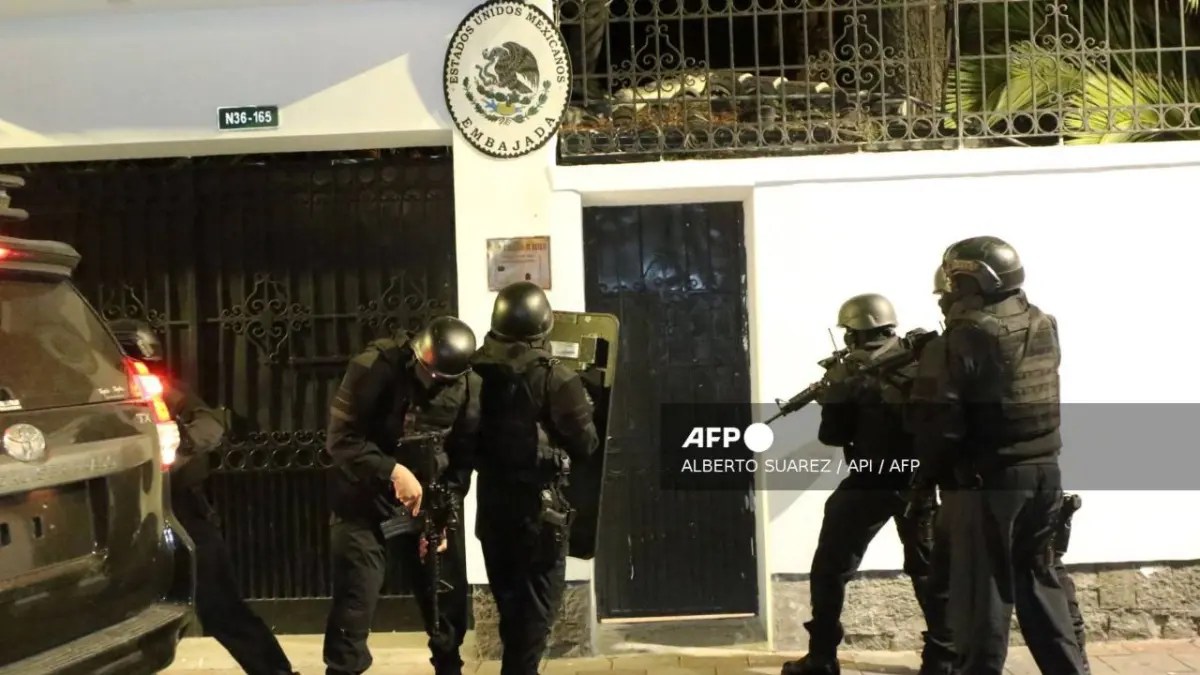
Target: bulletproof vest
(411, 409)
(512, 412)
(1023, 403)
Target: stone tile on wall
(1128, 603)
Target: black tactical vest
(410, 409)
(1028, 391)
(512, 414)
(403, 408)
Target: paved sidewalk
(403, 654)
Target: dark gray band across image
(1105, 446)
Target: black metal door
(676, 278)
(264, 275)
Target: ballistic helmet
(866, 312)
(990, 261)
(522, 312)
(444, 347)
(941, 282)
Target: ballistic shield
(587, 342)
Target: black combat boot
(813, 665)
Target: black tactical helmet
(941, 282)
(137, 339)
(444, 346)
(866, 312)
(990, 261)
(522, 312)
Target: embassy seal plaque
(507, 78)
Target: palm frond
(1118, 77)
(1111, 109)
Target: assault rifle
(438, 514)
(906, 352)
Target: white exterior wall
(1098, 227)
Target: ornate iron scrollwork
(821, 76)
(275, 451)
(267, 316)
(404, 305)
(124, 303)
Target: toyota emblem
(25, 442)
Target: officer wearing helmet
(941, 288)
(398, 387)
(223, 612)
(933, 356)
(536, 420)
(992, 423)
(863, 414)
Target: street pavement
(404, 654)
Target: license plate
(42, 528)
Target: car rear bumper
(143, 643)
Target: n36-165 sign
(248, 117)
(507, 78)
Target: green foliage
(1111, 71)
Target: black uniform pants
(1077, 624)
(939, 589)
(938, 653)
(362, 561)
(219, 605)
(528, 584)
(854, 514)
(1001, 559)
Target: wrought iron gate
(263, 276)
(676, 277)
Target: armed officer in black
(220, 607)
(536, 422)
(863, 415)
(993, 423)
(932, 361)
(397, 388)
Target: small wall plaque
(518, 259)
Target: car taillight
(148, 388)
(4, 253)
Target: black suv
(93, 576)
